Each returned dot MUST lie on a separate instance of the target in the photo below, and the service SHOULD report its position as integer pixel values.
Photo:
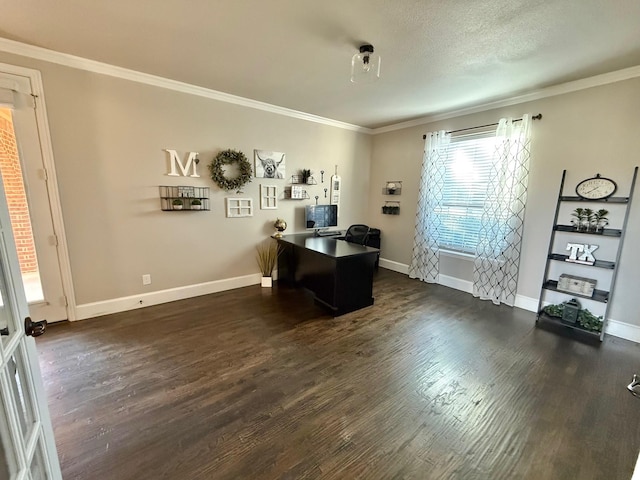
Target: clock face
(596, 188)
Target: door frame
(46, 147)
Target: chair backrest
(357, 234)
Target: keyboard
(333, 233)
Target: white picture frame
(239, 207)
(268, 197)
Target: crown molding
(72, 61)
(596, 81)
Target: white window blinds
(468, 168)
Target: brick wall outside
(16, 196)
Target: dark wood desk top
(329, 246)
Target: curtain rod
(534, 117)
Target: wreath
(229, 157)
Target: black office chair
(357, 233)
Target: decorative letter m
(175, 163)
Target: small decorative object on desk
(196, 204)
(280, 225)
(177, 204)
(267, 256)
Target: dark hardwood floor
(429, 383)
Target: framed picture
(269, 164)
(268, 197)
(239, 207)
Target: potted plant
(306, 175)
(177, 204)
(578, 218)
(196, 204)
(267, 256)
(600, 219)
(589, 225)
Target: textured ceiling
(436, 56)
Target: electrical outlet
(146, 279)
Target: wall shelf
(606, 232)
(574, 326)
(297, 180)
(391, 207)
(599, 263)
(392, 187)
(573, 198)
(292, 193)
(189, 196)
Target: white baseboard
(526, 303)
(122, 304)
(623, 330)
(395, 266)
(457, 283)
(115, 305)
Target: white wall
(591, 131)
(109, 136)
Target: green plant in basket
(589, 321)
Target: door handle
(34, 329)
(4, 331)
(634, 386)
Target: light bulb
(365, 66)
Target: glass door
(27, 445)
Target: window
(468, 162)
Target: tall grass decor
(267, 256)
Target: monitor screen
(321, 216)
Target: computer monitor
(321, 216)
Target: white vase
(196, 207)
(267, 282)
(177, 207)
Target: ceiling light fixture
(365, 66)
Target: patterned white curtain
(495, 273)
(425, 259)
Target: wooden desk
(339, 273)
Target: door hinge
(33, 100)
(45, 175)
(65, 301)
(55, 239)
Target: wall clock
(596, 188)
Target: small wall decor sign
(297, 192)
(581, 253)
(269, 164)
(176, 164)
